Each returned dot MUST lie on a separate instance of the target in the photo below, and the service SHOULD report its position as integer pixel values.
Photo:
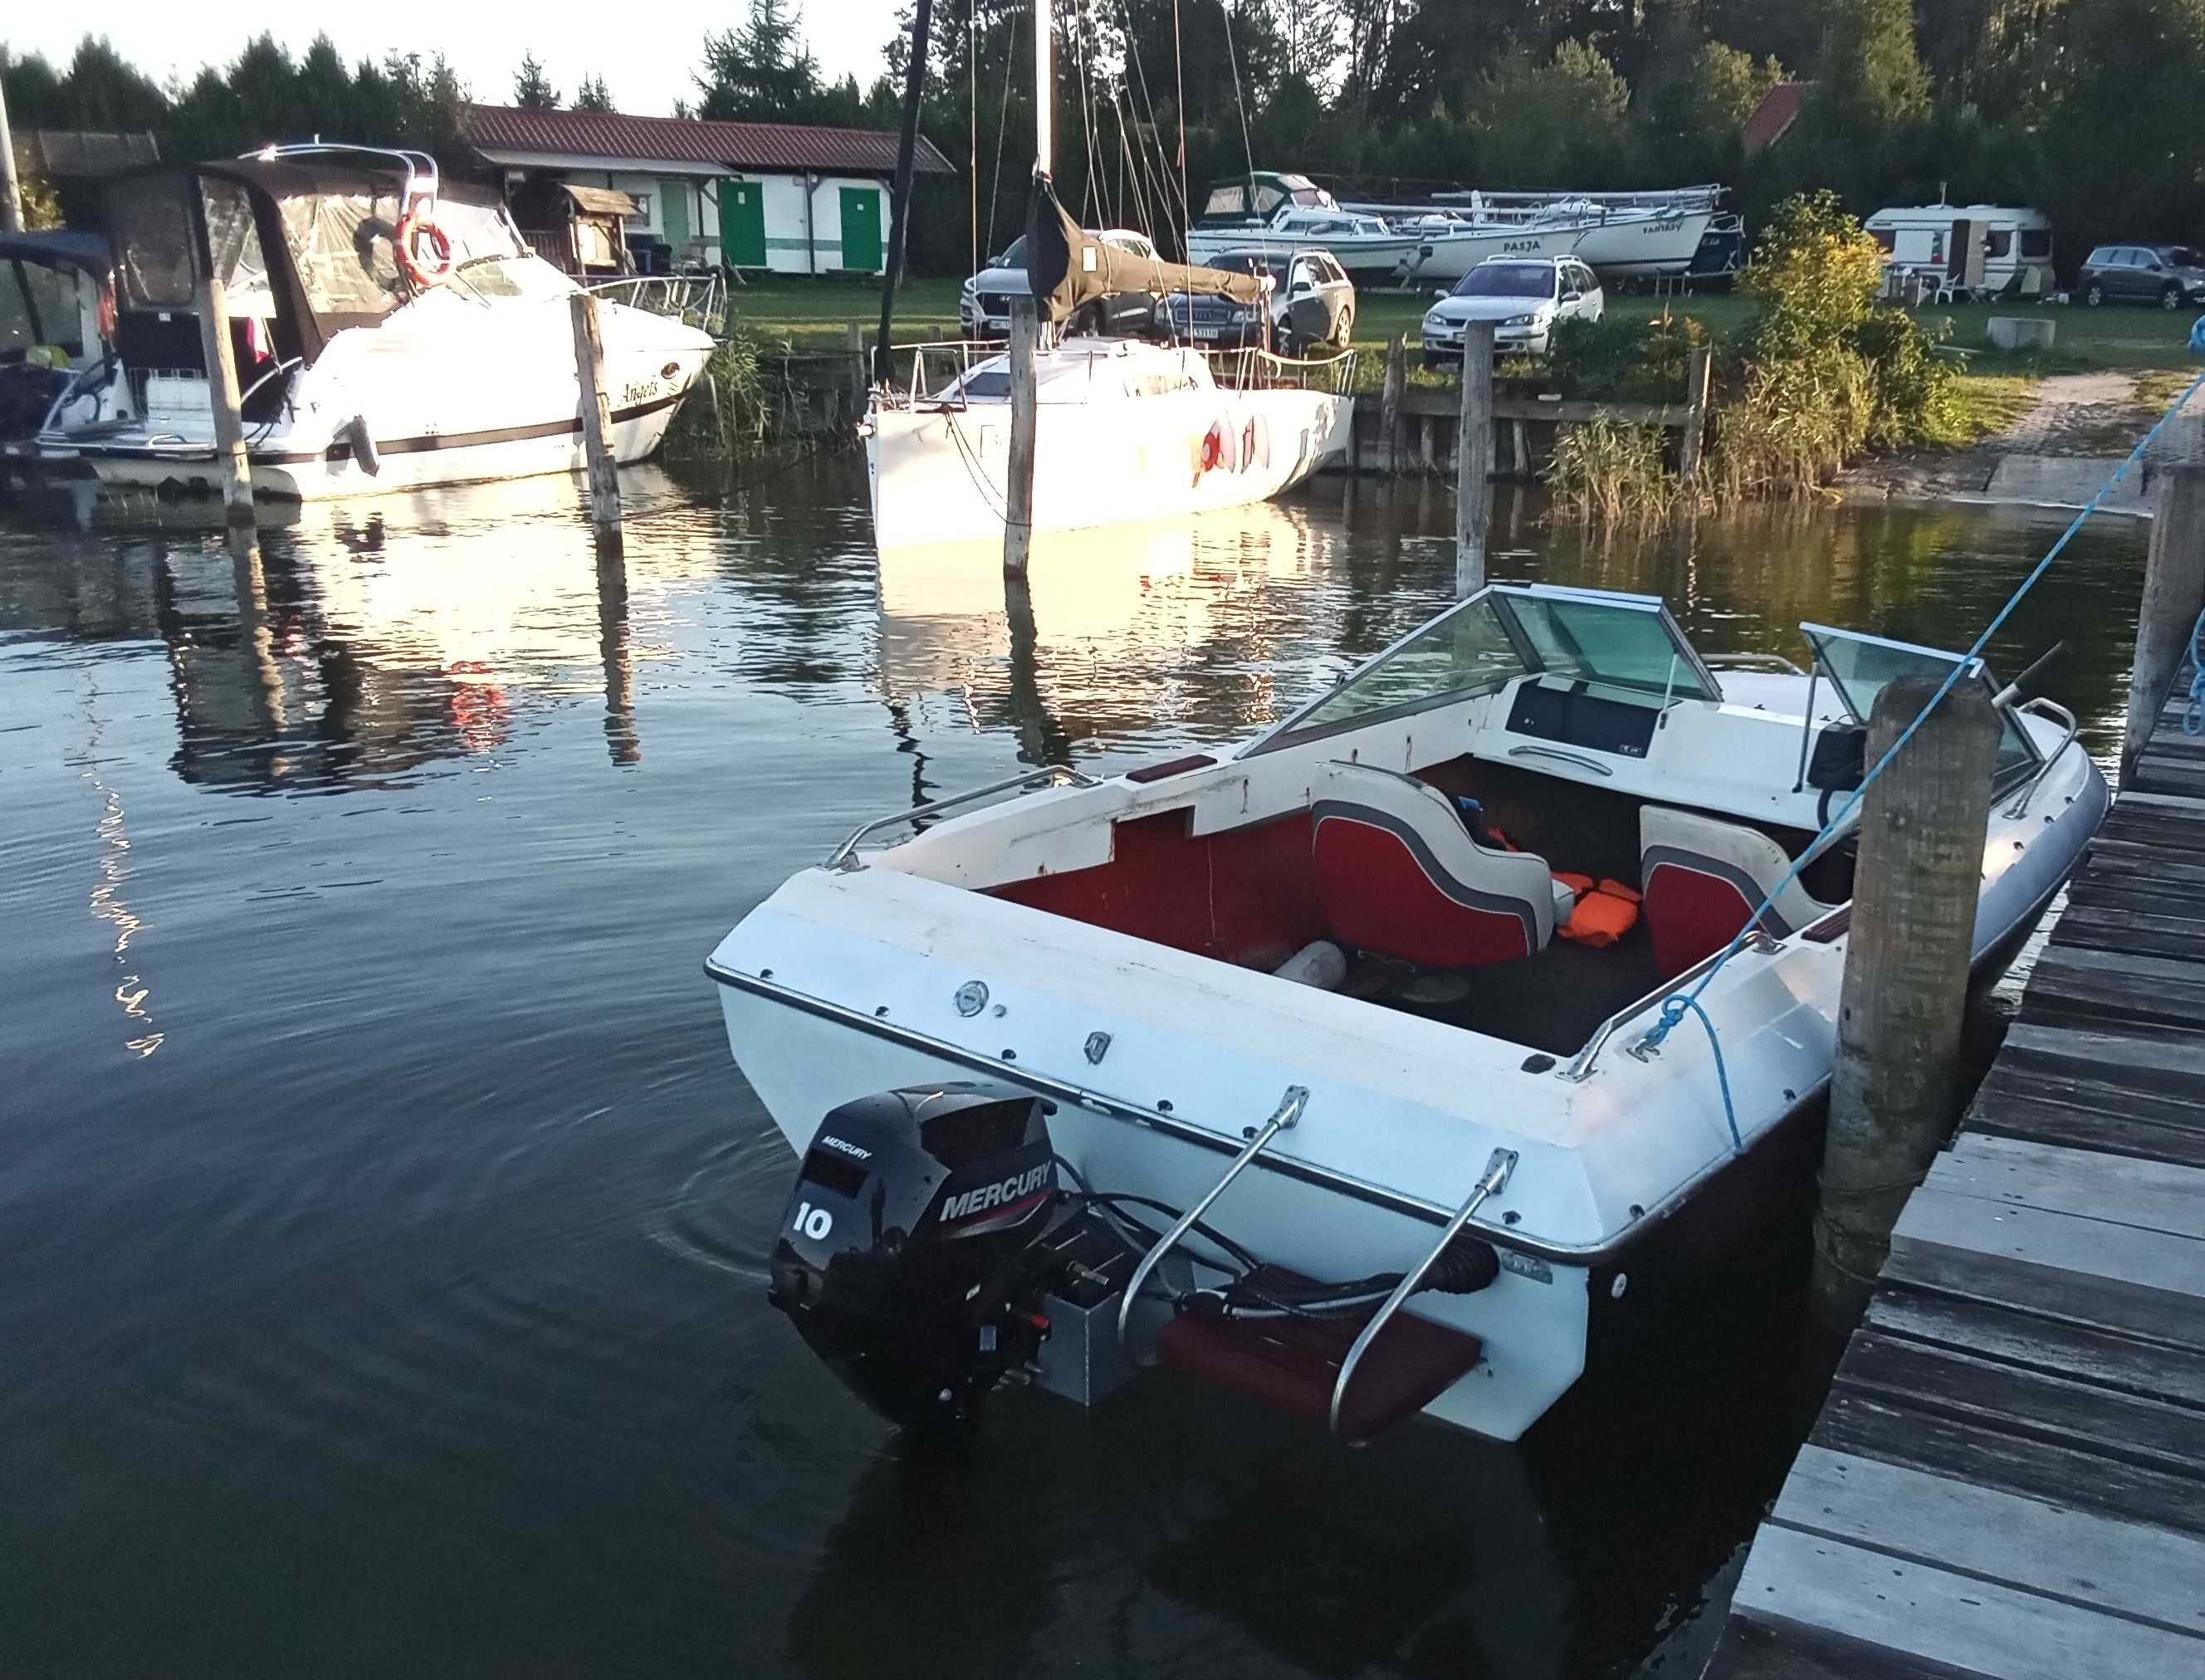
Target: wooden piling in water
(1018, 510)
(1389, 406)
(230, 457)
(596, 423)
(2173, 578)
(11, 197)
(853, 339)
(1915, 892)
(1699, 380)
(1473, 458)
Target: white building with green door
(788, 196)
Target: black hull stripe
(425, 444)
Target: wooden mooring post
(1389, 406)
(230, 457)
(1699, 380)
(1473, 460)
(853, 339)
(1018, 500)
(596, 423)
(1915, 894)
(11, 197)
(2173, 578)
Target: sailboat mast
(1043, 85)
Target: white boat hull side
(451, 391)
(1625, 247)
(942, 475)
(1535, 1331)
(1417, 258)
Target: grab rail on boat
(2018, 806)
(845, 855)
(1580, 1066)
(1288, 1111)
(1498, 1166)
(1753, 662)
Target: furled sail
(1067, 267)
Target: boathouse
(789, 197)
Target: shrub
(1614, 472)
(1624, 358)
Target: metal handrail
(1288, 1111)
(1753, 662)
(844, 856)
(2018, 806)
(1498, 1166)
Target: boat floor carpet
(1553, 1001)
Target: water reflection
(441, 1199)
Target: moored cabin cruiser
(389, 332)
(1331, 1052)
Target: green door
(674, 213)
(742, 224)
(861, 228)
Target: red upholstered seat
(1397, 874)
(1703, 876)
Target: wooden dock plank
(1936, 1615)
(2169, 1267)
(2059, 1347)
(2076, 985)
(2115, 1304)
(1899, 1431)
(2147, 1432)
(2124, 1569)
(2143, 1194)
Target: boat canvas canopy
(1067, 267)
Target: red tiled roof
(1773, 117)
(677, 139)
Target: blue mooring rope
(1674, 1007)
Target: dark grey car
(2170, 275)
(1312, 303)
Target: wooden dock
(2008, 1477)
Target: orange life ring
(413, 226)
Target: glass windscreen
(152, 221)
(1467, 652)
(1858, 667)
(39, 305)
(343, 246)
(1627, 645)
(1507, 280)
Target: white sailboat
(390, 333)
(1125, 431)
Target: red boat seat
(1703, 876)
(1397, 874)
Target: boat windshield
(1625, 644)
(1859, 666)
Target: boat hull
(941, 474)
(1635, 248)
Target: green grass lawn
(811, 315)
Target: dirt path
(2056, 454)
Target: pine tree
(591, 95)
(532, 88)
(762, 71)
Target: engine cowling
(900, 1254)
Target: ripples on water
(383, 1223)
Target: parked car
(2170, 275)
(1522, 296)
(986, 307)
(1311, 304)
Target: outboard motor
(903, 1257)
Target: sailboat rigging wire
(973, 124)
(1674, 1008)
(1091, 194)
(1141, 76)
(1240, 101)
(1179, 67)
(1002, 122)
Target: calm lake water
(382, 1222)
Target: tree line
(2084, 108)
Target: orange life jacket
(1606, 910)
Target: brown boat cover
(1068, 266)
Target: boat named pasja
(1337, 1045)
(391, 333)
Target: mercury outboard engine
(904, 1255)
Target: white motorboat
(1625, 235)
(1372, 250)
(1439, 1169)
(1125, 431)
(389, 334)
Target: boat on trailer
(391, 333)
(1292, 1024)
